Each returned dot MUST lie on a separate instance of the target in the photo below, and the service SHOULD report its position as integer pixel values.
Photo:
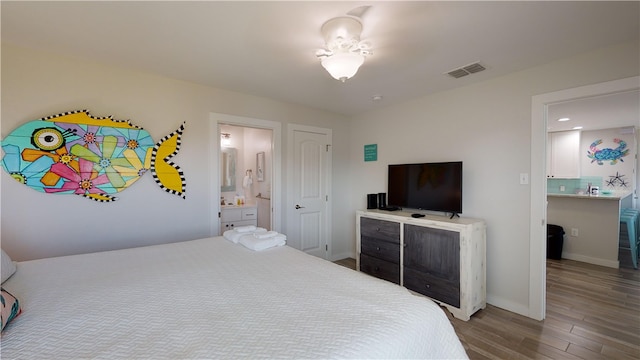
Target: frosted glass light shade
(343, 65)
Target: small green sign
(371, 152)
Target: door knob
(299, 207)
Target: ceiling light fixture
(344, 53)
(564, 119)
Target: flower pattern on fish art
(77, 153)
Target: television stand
(440, 258)
(454, 215)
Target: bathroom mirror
(228, 170)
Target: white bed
(211, 298)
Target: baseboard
(587, 259)
(501, 303)
(341, 256)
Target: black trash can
(555, 240)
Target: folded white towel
(251, 242)
(234, 235)
(264, 235)
(243, 229)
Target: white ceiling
(600, 112)
(268, 48)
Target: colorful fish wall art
(76, 153)
(607, 154)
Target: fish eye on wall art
(94, 157)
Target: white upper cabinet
(563, 154)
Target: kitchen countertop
(611, 196)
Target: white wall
(487, 126)
(37, 84)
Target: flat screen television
(426, 186)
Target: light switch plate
(524, 178)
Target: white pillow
(8, 266)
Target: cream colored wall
(487, 126)
(36, 84)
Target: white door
(309, 203)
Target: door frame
(291, 128)
(216, 119)
(538, 214)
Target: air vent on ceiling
(466, 70)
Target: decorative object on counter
(372, 201)
(595, 190)
(382, 200)
(80, 154)
(612, 155)
(616, 180)
(260, 166)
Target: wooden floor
(593, 312)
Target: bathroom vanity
(232, 216)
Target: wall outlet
(574, 232)
(561, 187)
(524, 178)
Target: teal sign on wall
(371, 152)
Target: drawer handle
(378, 229)
(428, 286)
(378, 248)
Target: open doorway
(539, 121)
(245, 170)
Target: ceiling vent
(466, 70)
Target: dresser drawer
(383, 250)
(380, 229)
(432, 286)
(380, 268)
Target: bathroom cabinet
(234, 216)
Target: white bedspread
(211, 298)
